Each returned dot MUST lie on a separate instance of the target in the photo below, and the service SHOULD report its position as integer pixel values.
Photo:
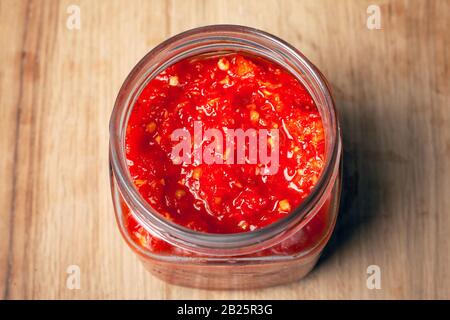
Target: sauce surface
(228, 91)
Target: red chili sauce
(227, 91)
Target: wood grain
(58, 86)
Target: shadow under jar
(279, 252)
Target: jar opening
(205, 41)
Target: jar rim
(191, 43)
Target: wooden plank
(11, 42)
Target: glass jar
(282, 252)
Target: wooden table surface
(58, 86)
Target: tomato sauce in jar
(254, 150)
